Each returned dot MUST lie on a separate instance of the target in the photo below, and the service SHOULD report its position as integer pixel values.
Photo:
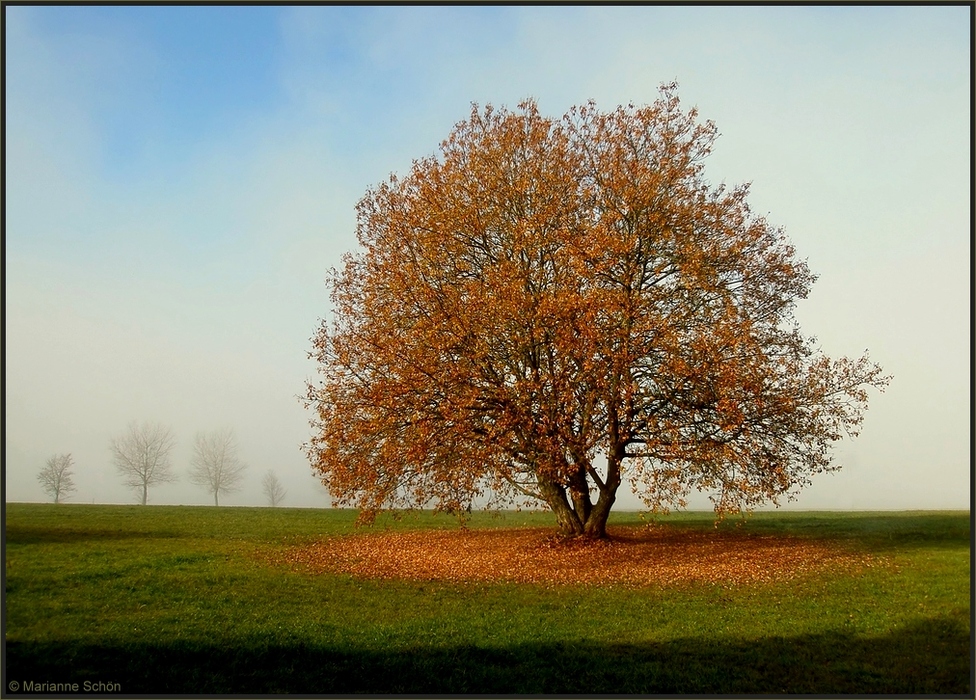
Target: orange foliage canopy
(551, 305)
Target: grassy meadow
(170, 599)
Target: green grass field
(162, 599)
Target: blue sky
(180, 179)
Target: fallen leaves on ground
(635, 556)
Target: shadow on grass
(877, 532)
(933, 656)
(30, 534)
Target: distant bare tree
(142, 456)
(273, 489)
(56, 477)
(215, 463)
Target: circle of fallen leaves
(631, 556)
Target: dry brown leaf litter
(634, 556)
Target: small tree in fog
(142, 456)
(215, 463)
(273, 489)
(56, 477)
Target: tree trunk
(579, 492)
(145, 493)
(215, 499)
(586, 519)
(567, 519)
(596, 525)
(576, 515)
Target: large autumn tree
(554, 305)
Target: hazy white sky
(178, 181)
